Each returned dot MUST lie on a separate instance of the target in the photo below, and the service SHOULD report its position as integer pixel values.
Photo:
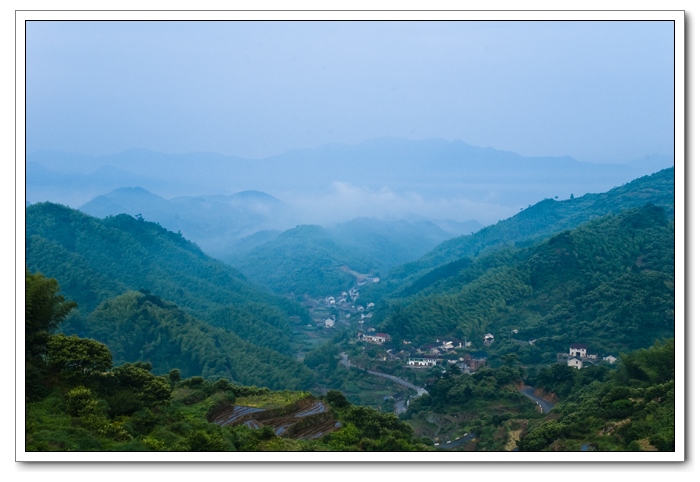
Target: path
(458, 442)
(544, 405)
(420, 391)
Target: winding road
(457, 442)
(420, 391)
(544, 405)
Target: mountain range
(432, 178)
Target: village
(579, 357)
(346, 310)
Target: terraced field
(305, 419)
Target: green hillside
(100, 263)
(608, 283)
(539, 221)
(632, 409)
(79, 398)
(304, 260)
(144, 327)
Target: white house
(575, 362)
(426, 361)
(488, 339)
(610, 359)
(329, 323)
(578, 349)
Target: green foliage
(539, 221)
(79, 357)
(609, 283)
(45, 309)
(143, 327)
(631, 408)
(304, 260)
(80, 402)
(336, 399)
(97, 260)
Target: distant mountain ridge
(540, 221)
(310, 259)
(214, 222)
(493, 182)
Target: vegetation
(484, 404)
(632, 409)
(304, 260)
(608, 283)
(538, 222)
(166, 339)
(89, 405)
(220, 325)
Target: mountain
(539, 221)
(144, 327)
(434, 178)
(98, 260)
(390, 243)
(213, 222)
(608, 283)
(304, 260)
(320, 261)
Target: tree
(44, 310)
(77, 356)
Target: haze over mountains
(391, 178)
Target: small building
(610, 359)
(575, 362)
(329, 323)
(375, 280)
(578, 349)
(424, 361)
(377, 338)
(488, 339)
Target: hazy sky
(598, 91)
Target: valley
(470, 345)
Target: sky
(596, 91)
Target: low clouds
(344, 201)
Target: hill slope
(540, 221)
(608, 283)
(97, 260)
(213, 222)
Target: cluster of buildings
(579, 356)
(430, 354)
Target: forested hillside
(99, 263)
(632, 409)
(78, 398)
(542, 220)
(609, 283)
(628, 407)
(317, 261)
(213, 222)
(304, 260)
